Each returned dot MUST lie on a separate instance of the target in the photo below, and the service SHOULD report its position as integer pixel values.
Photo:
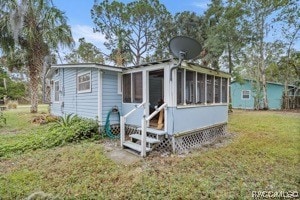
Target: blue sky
(79, 17)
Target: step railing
(123, 121)
(145, 120)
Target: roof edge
(269, 82)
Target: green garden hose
(107, 124)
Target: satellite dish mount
(183, 48)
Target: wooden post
(122, 130)
(160, 123)
(143, 141)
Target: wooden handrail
(144, 127)
(156, 111)
(123, 121)
(133, 110)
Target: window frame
(242, 94)
(77, 80)
(56, 91)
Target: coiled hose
(107, 124)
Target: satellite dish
(183, 48)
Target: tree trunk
(230, 65)
(33, 84)
(286, 98)
(264, 88)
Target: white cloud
(80, 31)
(201, 4)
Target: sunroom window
(200, 88)
(190, 87)
(209, 89)
(224, 90)
(180, 84)
(127, 88)
(217, 89)
(133, 88)
(137, 87)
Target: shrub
(76, 128)
(79, 129)
(12, 104)
(67, 120)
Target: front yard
(262, 154)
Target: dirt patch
(13, 131)
(114, 151)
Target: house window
(190, 87)
(217, 89)
(200, 88)
(246, 94)
(224, 90)
(84, 82)
(56, 72)
(209, 89)
(133, 88)
(56, 91)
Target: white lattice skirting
(181, 142)
(194, 139)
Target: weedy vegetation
(262, 153)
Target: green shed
(242, 94)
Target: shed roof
(83, 65)
(268, 82)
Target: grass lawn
(263, 154)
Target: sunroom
(175, 108)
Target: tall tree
(86, 52)
(289, 19)
(132, 27)
(226, 32)
(260, 17)
(35, 27)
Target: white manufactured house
(161, 107)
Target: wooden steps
(135, 143)
(154, 131)
(135, 146)
(148, 139)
